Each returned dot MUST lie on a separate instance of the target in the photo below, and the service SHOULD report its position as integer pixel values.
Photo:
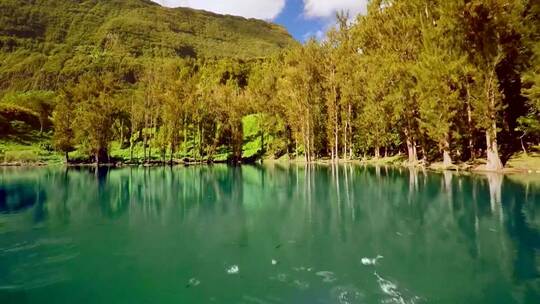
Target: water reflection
(480, 232)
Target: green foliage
(131, 80)
(39, 103)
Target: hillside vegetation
(444, 82)
(46, 41)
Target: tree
(40, 102)
(439, 98)
(529, 125)
(63, 138)
(489, 26)
(300, 92)
(389, 36)
(262, 94)
(439, 74)
(97, 105)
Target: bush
(20, 156)
(46, 146)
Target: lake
(267, 234)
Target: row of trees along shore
(432, 79)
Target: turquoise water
(268, 234)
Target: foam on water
(373, 262)
(348, 294)
(234, 269)
(394, 295)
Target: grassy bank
(34, 149)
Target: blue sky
(303, 18)
(301, 27)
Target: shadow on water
(18, 197)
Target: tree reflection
(485, 221)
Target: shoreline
(383, 162)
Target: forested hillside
(44, 40)
(444, 80)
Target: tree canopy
(434, 80)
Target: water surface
(268, 234)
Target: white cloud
(260, 9)
(328, 8)
(317, 35)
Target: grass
(529, 162)
(32, 149)
(29, 147)
(390, 160)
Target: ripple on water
(193, 282)
(24, 246)
(302, 268)
(37, 264)
(327, 276)
(41, 280)
(281, 277)
(300, 284)
(256, 300)
(291, 281)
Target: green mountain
(40, 39)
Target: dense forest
(450, 80)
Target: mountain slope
(41, 38)
(141, 25)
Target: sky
(303, 18)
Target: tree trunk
(145, 138)
(470, 125)
(122, 134)
(184, 140)
(345, 140)
(306, 149)
(348, 134)
(101, 155)
(377, 152)
(493, 160)
(201, 137)
(308, 140)
(151, 139)
(131, 149)
(471, 133)
(263, 149)
(237, 142)
(523, 145)
(447, 159)
(411, 149)
(424, 153)
(172, 155)
(415, 151)
(145, 143)
(66, 155)
(336, 137)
